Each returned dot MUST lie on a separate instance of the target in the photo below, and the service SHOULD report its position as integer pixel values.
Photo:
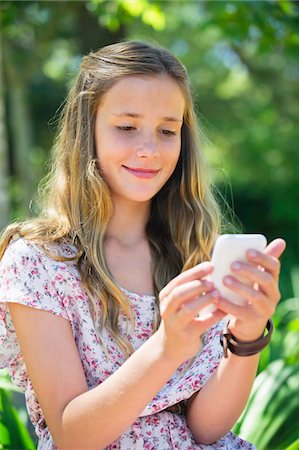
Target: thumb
(276, 248)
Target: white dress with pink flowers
(30, 277)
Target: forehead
(144, 92)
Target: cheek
(109, 148)
(173, 154)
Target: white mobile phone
(229, 248)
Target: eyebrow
(139, 116)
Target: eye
(126, 128)
(168, 133)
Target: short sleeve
(27, 276)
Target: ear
(276, 248)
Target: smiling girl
(100, 296)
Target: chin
(141, 197)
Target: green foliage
(285, 339)
(243, 60)
(13, 432)
(294, 445)
(270, 419)
(117, 13)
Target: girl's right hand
(181, 300)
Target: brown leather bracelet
(230, 342)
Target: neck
(128, 222)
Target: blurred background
(243, 60)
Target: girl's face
(138, 135)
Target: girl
(101, 294)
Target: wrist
(170, 356)
(247, 337)
(244, 332)
(247, 348)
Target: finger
(195, 273)
(242, 312)
(243, 290)
(276, 248)
(183, 294)
(270, 263)
(203, 323)
(256, 299)
(188, 311)
(245, 314)
(267, 283)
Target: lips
(141, 172)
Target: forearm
(215, 409)
(94, 419)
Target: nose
(148, 146)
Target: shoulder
(38, 266)
(22, 249)
(18, 246)
(18, 255)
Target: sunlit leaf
(153, 16)
(136, 7)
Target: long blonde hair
(75, 203)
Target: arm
(214, 409)
(78, 417)
(93, 419)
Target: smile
(141, 172)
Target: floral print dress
(30, 277)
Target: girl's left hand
(247, 323)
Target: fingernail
(228, 280)
(236, 266)
(215, 293)
(252, 253)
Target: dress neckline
(136, 294)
